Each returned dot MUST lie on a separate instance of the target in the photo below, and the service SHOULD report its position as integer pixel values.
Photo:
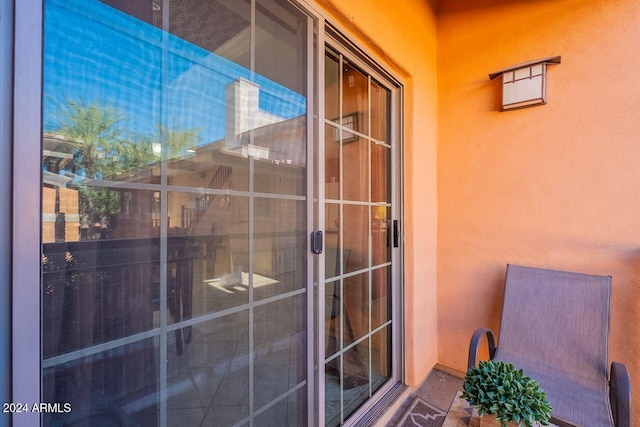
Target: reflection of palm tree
(96, 130)
(177, 140)
(100, 149)
(95, 134)
(135, 154)
(93, 131)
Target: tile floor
(425, 405)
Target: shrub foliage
(498, 388)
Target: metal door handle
(396, 233)
(316, 242)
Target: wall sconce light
(525, 85)
(349, 122)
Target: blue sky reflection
(95, 53)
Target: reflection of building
(243, 112)
(276, 143)
(217, 211)
(60, 210)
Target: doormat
(422, 414)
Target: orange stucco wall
(555, 186)
(402, 37)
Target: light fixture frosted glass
(525, 85)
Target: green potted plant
(501, 392)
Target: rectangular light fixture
(525, 85)
(349, 122)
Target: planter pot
(490, 421)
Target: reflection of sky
(95, 53)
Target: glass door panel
(112, 387)
(208, 251)
(380, 235)
(332, 391)
(279, 247)
(355, 155)
(355, 238)
(355, 377)
(280, 50)
(381, 369)
(359, 262)
(280, 350)
(380, 112)
(354, 101)
(380, 296)
(209, 381)
(332, 164)
(220, 26)
(174, 220)
(355, 297)
(380, 182)
(332, 87)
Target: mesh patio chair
(555, 326)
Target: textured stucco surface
(554, 186)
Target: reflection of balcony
(58, 150)
(96, 292)
(60, 214)
(102, 290)
(191, 216)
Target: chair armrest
(620, 395)
(475, 344)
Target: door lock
(316, 242)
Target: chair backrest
(558, 320)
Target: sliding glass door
(360, 269)
(174, 212)
(191, 154)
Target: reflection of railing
(191, 216)
(96, 291)
(220, 177)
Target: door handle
(396, 233)
(316, 242)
